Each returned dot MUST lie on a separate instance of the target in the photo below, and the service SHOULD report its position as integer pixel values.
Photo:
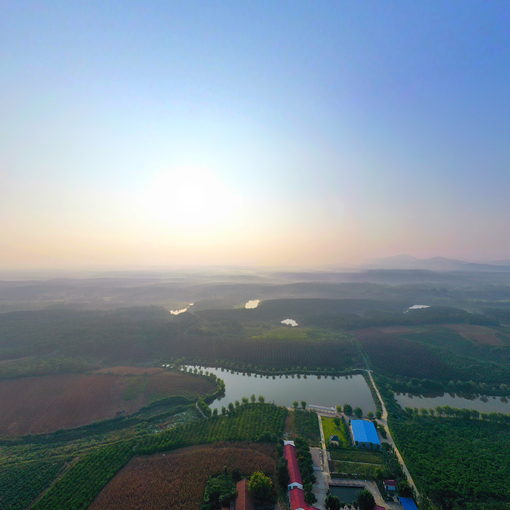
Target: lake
(283, 390)
(482, 404)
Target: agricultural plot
(304, 424)
(80, 485)
(457, 463)
(478, 334)
(21, 483)
(178, 479)
(33, 405)
(396, 356)
(336, 427)
(357, 455)
(76, 489)
(342, 468)
(247, 423)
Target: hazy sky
(258, 132)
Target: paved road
(384, 423)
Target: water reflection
(483, 403)
(284, 389)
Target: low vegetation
(21, 483)
(35, 405)
(457, 463)
(336, 427)
(306, 468)
(251, 422)
(304, 424)
(179, 477)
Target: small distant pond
(181, 310)
(482, 404)
(345, 494)
(283, 390)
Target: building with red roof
(390, 485)
(289, 452)
(244, 500)
(295, 487)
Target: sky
(271, 133)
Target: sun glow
(189, 198)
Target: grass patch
(336, 427)
(355, 455)
(457, 463)
(306, 425)
(287, 334)
(136, 387)
(356, 469)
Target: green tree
(303, 404)
(283, 473)
(332, 502)
(260, 485)
(348, 409)
(338, 409)
(358, 412)
(404, 489)
(261, 399)
(365, 500)
(295, 404)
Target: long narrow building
(295, 487)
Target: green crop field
(357, 455)
(457, 463)
(356, 469)
(330, 428)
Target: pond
(346, 494)
(181, 310)
(482, 404)
(283, 390)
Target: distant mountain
(434, 264)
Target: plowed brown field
(477, 334)
(177, 479)
(33, 405)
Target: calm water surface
(345, 494)
(482, 404)
(285, 389)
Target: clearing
(42, 404)
(477, 334)
(177, 479)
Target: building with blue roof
(408, 503)
(364, 434)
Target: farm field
(33, 405)
(96, 466)
(358, 469)
(177, 479)
(21, 483)
(357, 455)
(330, 428)
(460, 464)
(477, 334)
(304, 424)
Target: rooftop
(364, 432)
(408, 504)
